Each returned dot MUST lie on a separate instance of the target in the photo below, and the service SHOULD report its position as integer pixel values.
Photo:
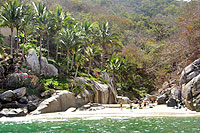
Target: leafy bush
(55, 83)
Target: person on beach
(121, 105)
(145, 103)
(140, 104)
(131, 106)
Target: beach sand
(111, 111)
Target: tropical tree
(90, 53)
(26, 24)
(80, 59)
(10, 15)
(59, 18)
(106, 38)
(41, 18)
(68, 39)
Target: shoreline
(112, 113)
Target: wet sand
(111, 111)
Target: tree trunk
(72, 64)
(67, 60)
(40, 56)
(76, 70)
(17, 50)
(103, 56)
(56, 51)
(24, 41)
(90, 64)
(47, 45)
(11, 42)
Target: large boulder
(190, 83)
(7, 96)
(57, 103)
(48, 69)
(32, 61)
(20, 92)
(162, 99)
(13, 112)
(51, 70)
(101, 92)
(13, 104)
(93, 91)
(34, 64)
(16, 80)
(44, 64)
(172, 102)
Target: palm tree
(79, 60)
(9, 15)
(18, 23)
(68, 39)
(26, 24)
(41, 22)
(59, 17)
(106, 38)
(91, 52)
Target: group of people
(140, 104)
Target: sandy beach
(109, 112)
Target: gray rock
(23, 100)
(13, 112)
(16, 80)
(101, 92)
(48, 93)
(96, 92)
(176, 93)
(59, 102)
(52, 70)
(32, 61)
(162, 99)
(20, 92)
(44, 64)
(171, 102)
(14, 104)
(190, 72)
(31, 106)
(7, 96)
(123, 100)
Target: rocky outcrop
(13, 112)
(16, 80)
(14, 102)
(190, 82)
(162, 99)
(96, 92)
(61, 101)
(33, 63)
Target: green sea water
(153, 125)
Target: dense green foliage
(135, 41)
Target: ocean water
(145, 124)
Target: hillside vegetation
(140, 43)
